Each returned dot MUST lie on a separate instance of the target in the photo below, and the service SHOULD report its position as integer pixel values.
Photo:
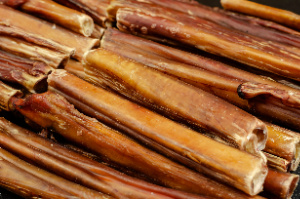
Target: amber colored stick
(40, 28)
(210, 75)
(32, 67)
(56, 13)
(33, 52)
(96, 68)
(212, 38)
(225, 78)
(266, 12)
(281, 142)
(284, 143)
(36, 39)
(96, 9)
(75, 68)
(7, 94)
(281, 185)
(75, 167)
(98, 32)
(166, 136)
(29, 181)
(250, 25)
(51, 110)
(20, 71)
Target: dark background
(292, 5)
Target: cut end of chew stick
(61, 15)
(6, 95)
(274, 14)
(280, 184)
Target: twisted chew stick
(77, 168)
(212, 38)
(32, 182)
(170, 138)
(210, 75)
(53, 111)
(37, 28)
(6, 96)
(159, 91)
(61, 15)
(281, 16)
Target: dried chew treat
(56, 13)
(266, 12)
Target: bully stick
(32, 67)
(266, 12)
(199, 73)
(277, 163)
(96, 9)
(212, 76)
(75, 167)
(37, 28)
(168, 137)
(35, 39)
(53, 111)
(281, 185)
(98, 32)
(56, 13)
(29, 181)
(213, 38)
(33, 52)
(283, 143)
(250, 25)
(16, 75)
(160, 92)
(75, 68)
(7, 94)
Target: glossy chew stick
(95, 9)
(283, 143)
(192, 105)
(24, 72)
(77, 168)
(7, 94)
(250, 25)
(53, 111)
(266, 12)
(56, 13)
(170, 138)
(212, 76)
(37, 28)
(212, 38)
(76, 68)
(281, 185)
(28, 50)
(29, 181)
(33, 67)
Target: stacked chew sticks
(163, 122)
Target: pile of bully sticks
(152, 99)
